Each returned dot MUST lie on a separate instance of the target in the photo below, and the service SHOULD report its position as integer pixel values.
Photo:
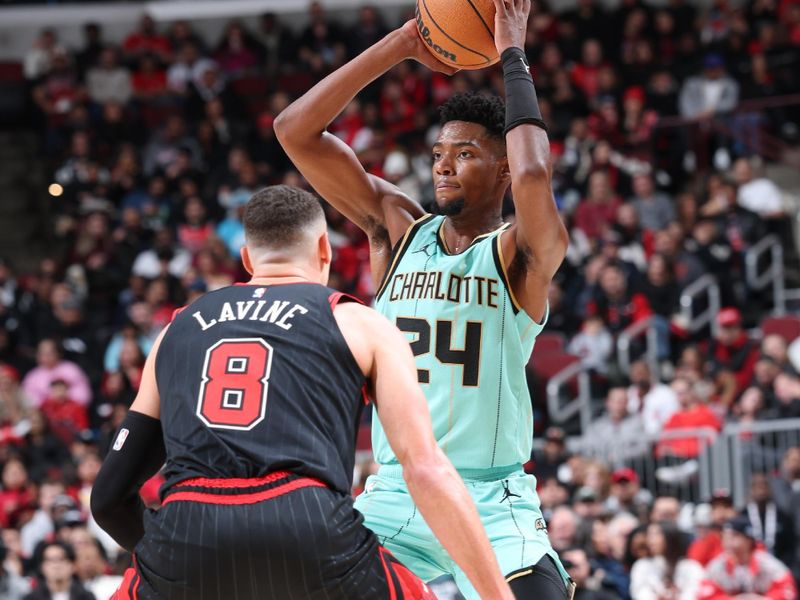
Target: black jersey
(257, 379)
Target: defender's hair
(276, 216)
(472, 107)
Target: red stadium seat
(11, 71)
(786, 327)
(549, 342)
(548, 364)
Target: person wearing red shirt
(693, 414)
(67, 418)
(598, 210)
(16, 490)
(708, 546)
(745, 571)
(146, 40)
(617, 305)
(732, 356)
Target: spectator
(666, 573)
(91, 566)
(14, 403)
(563, 528)
(66, 417)
(57, 569)
(708, 544)
(787, 396)
(627, 494)
(149, 80)
(744, 570)
(163, 257)
(757, 194)
(618, 305)
(187, 69)
(666, 509)
(38, 60)
(16, 492)
(656, 402)
(50, 366)
(711, 93)
(772, 527)
(12, 585)
(731, 353)
(593, 345)
(577, 565)
(236, 52)
(693, 414)
(548, 462)
(617, 434)
(108, 81)
(146, 40)
(597, 211)
(654, 209)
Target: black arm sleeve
(522, 105)
(137, 454)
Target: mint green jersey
(471, 341)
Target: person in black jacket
(57, 574)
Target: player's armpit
(137, 454)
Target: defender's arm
(437, 490)
(137, 454)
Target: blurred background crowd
(671, 130)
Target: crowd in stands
(157, 141)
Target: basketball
(459, 33)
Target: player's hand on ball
(418, 51)
(511, 23)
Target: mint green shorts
(507, 504)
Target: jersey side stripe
(500, 263)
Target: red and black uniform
(260, 401)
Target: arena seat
(786, 327)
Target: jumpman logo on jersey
(424, 250)
(527, 68)
(507, 493)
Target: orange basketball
(459, 33)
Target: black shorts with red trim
(279, 537)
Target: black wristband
(522, 106)
(138, 454)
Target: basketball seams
(486, 61)
(480, 16)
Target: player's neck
(459, 231)
(283, 274)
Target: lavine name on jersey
(279, 313)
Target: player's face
(470, 168)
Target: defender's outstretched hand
(511, 23)
(418, 52)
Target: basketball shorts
(507, 504)
(278, 537)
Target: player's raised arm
(329, 164)
(539, 234)
(137, 454)
(437, 490)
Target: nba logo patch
(259, 292)
(121, 437)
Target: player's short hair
(489, 111)
(277, 216)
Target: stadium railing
(702, 293)
(724, 460)
(643, 328)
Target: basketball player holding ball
(469, 290)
